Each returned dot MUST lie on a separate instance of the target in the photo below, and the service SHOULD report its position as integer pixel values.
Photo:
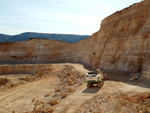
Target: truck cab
(94, 78)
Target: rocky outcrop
(121, 44)
(34, 51)
(25, 69)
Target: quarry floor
(20, 98)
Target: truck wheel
(100, 84)
(89, 85)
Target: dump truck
(94, 77)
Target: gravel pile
(71, 76)
(117, 103)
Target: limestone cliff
(34, 51)
(121, 44)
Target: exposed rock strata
(122, 44)
(34, 51)
(24, 69)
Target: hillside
(28, 35)
(4, 38)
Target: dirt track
(19, 98)
(74, 101)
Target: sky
(57, 16)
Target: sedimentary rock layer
(34, 51)
(24, 69)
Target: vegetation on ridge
(28, 35)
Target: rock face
(24, 69)
(34, 51)
(121, 44)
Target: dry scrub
(6, 83)
(3, 81)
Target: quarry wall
(24, 69)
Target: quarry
(47, 76)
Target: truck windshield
(91, 75)
(91, 72)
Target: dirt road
(74, 101)
(19, 98)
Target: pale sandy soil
(20, 98)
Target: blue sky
(57, 16)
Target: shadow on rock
(124, 77)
